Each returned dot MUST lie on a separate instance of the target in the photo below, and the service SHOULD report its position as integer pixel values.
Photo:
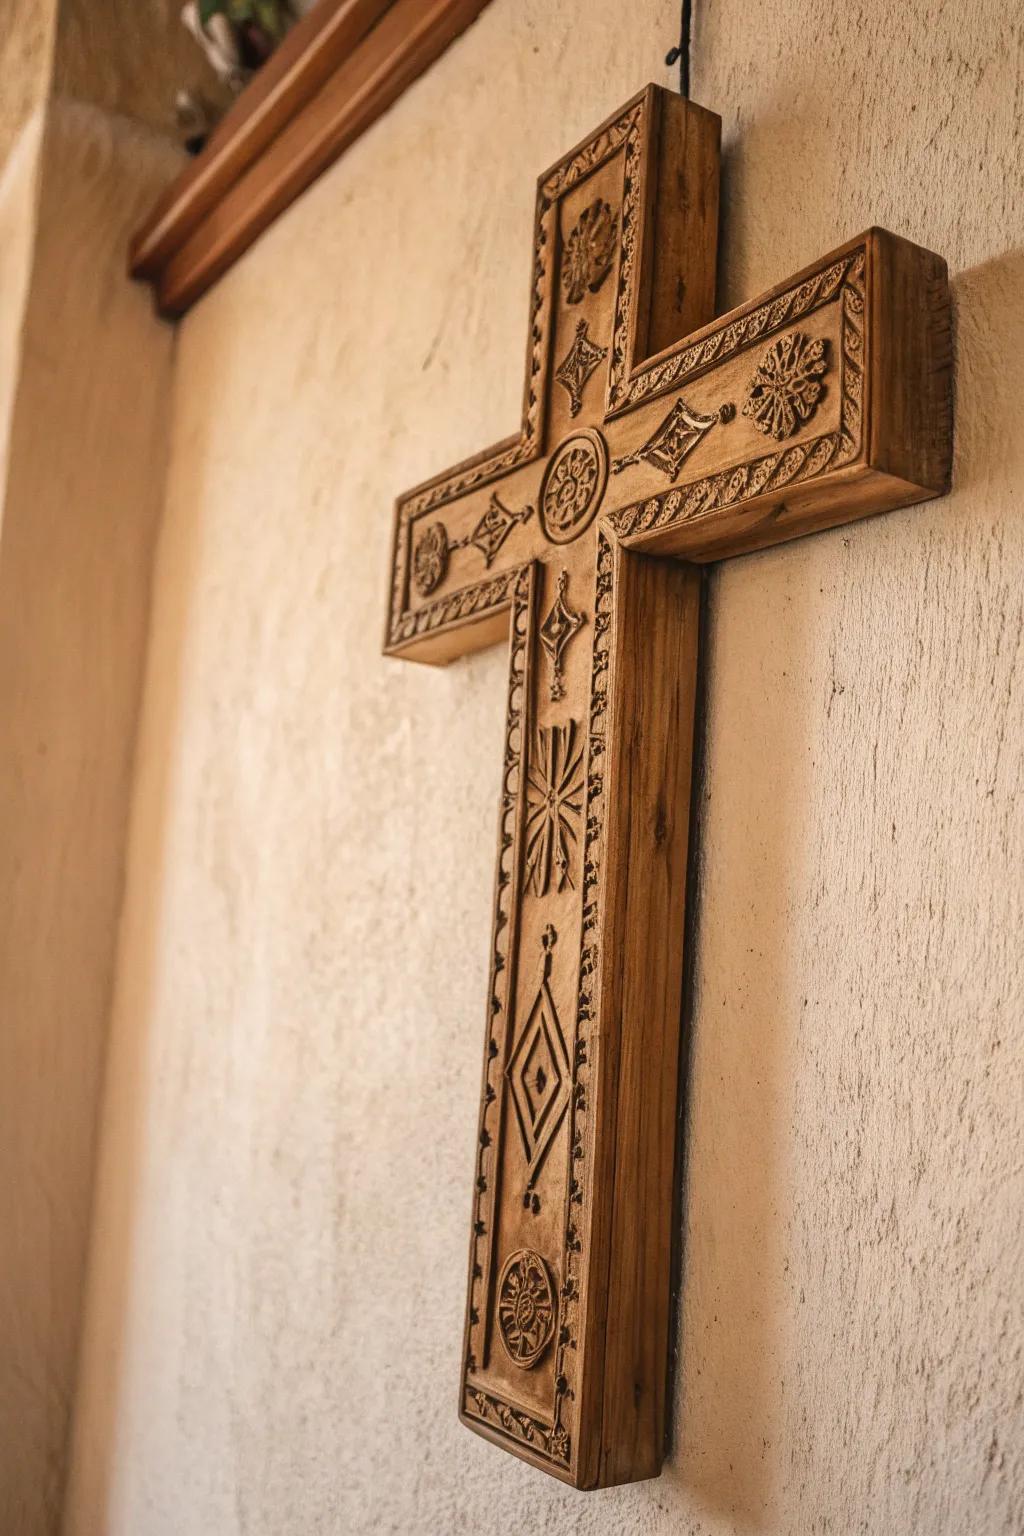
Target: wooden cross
(641, 456)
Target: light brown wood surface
(338, 69)
(826, 399)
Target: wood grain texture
(338, 69)
(825, 399)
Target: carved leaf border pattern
(771, 471)
(574, 1259)
(483, 596)
(654, 378)
(502, 951)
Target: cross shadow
(723, 1381)
(734, 1376)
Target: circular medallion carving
(573, 485)
(526, 1308)
(430, 559)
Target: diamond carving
(538, 1071)
(494, 528)
(675, 439)
(577, 365)
(555, 633)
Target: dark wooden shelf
(336, 72)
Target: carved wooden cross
(640, 457)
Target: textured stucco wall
(26, 65)
(277, 1286)
(19, 201)
(87, 378)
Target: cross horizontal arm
(825, 400)
(833, 391)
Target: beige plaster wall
(276, 1291)
(84, 388)
(26, 65)
(19, 203)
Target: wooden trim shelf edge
(336, 72)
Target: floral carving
(573, 485)
(555, 800)
(786, 388)
(430, 559)
(773, 470)
(577, 365)
(589, 251)
(526, 1308)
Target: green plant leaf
(268, 14)
(208, 8)
(239, 10)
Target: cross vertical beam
(640, 456)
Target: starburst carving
(577, 365)
(555, 802)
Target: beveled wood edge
(307, 56)
(182, 247)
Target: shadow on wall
(111, 1300)
(737, 1042)
(739, 1029)
(736, 1386)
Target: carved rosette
(526, 1308)
(589, 251)
(430, 559)
(786, 388)
(572, 487)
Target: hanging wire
(681, 53)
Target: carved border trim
(771, 471)
(551, 1444)
(463, 604)
(574, 1259)
(506, 905)
(656, 377)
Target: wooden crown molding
(336, 72)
